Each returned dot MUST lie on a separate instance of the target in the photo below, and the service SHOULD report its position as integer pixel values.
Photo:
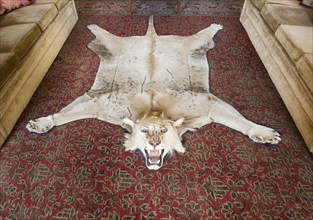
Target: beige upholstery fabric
(18, 83)
(293, 81)
(294, 40)
(58, 3)
(305, 68)
(260, 3)
(275, 15)
(42, 14)
(8, 63)
(18, 38)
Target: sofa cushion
(42, 14)
(305, 68)
(296, 40)
(58, 3)
(260, 3)
(275, 15)
(8, 62)
(18, 38)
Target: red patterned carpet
(80, 170)
(160, 7)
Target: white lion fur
(155, 82)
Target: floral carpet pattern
(161, 7)
(80, 170)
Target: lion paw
(40, 125)
(264, 135)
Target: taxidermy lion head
(155, 136)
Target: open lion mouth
(154, 158)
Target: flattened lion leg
(202, 41)
(83, 107)
(227, 115)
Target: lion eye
(144, 130)
(163, 130)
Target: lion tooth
(154, 162)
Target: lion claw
(40, 125)
(264, 135)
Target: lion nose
(154, 143)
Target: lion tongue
(154, 155)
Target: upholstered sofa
(282, 34)
(30, 39)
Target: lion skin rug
(156, 87)
(80, 170)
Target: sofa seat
(18, 40)
(282, 34)
(299, 50)
(40, 14)
(31, 38)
